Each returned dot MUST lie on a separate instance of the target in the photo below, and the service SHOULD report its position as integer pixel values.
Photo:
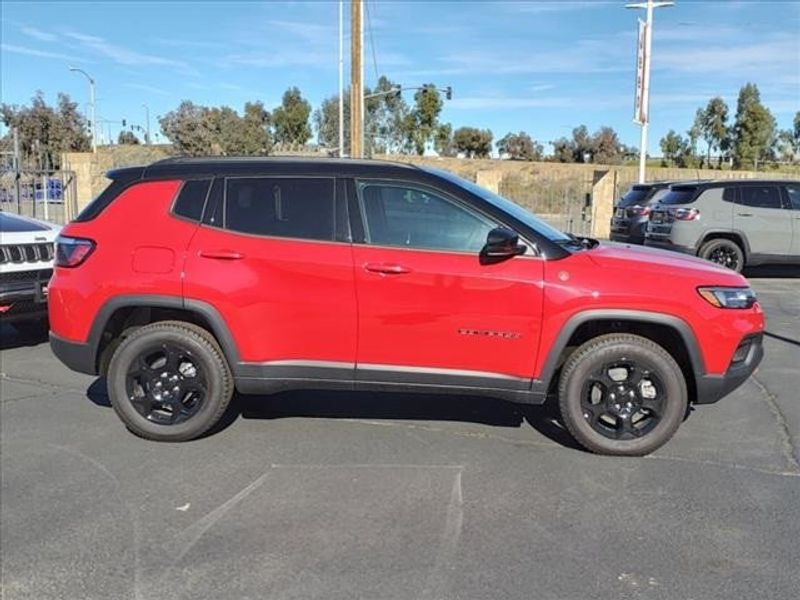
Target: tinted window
(679, 195)
(192, 198)
(636, 195)
(759, 196)
(213, 214)
(793, 191)
(408, 217)
(281, 206)
(729, 195)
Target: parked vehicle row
(734, 223)
(191, 278)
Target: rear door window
(290, 207)
(760, 196)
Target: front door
(429, 311)
(268, 258)
(793, 195)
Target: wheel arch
(121, 314)
(671, 332)
(727, 234)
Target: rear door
(429, 311)
(272, 257)
(760, 214)
(793, 196)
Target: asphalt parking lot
(388, 496)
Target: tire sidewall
(129, 349)
(671, 378)
(709, 247)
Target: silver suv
(732, 223)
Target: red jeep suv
(191, 278)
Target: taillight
(686, 214)
(72, 252)
(639, 211)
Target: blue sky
(542, 67)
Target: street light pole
(93, 104)
(147, 117)
(341, 78)
(644, 109)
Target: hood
(10, 223)
(666, 263)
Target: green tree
(582, 145)
(45, 132)
(473, 142)
(326, 122)
(190, 129)
(385, 114)
(696, 132)
(715, 127)
(443, 141)
(420, 124)
(677, 150)
(754, 129)
(291, 119)
(605, 147)
(563, 150)
(520, 146)
(127, 138)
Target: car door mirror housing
(501, 244)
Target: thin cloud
(38, 34)
(39, 53)
(125, 56)
(150, 89)
(559, 6)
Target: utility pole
(642, 109)
(356, 79)
(341, 78)
(16, 170)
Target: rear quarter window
(191, 199)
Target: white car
(26, 264)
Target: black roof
(233, 166)
(733, 182)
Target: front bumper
(24, 298)
(711, 388)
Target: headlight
(728, 297)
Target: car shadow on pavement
(412, 407)
(16, 337)
(381, 406)
(772, 272)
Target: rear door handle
(222, 254)
(744, 214)
(386, 268)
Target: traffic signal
(124, 123)
(448, 92)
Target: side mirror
(501, 244)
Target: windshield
(635, 195)
(507, 206)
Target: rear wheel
(169, 381)
(723, 252)
(622, 394)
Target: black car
(632, 211)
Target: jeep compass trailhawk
(191, 278)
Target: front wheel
(169, 381)
(622, 394)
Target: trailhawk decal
(506, 335)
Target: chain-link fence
(564, 203)
(45, 195)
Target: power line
(372, 42)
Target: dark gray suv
(732, 223)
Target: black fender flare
(541, 384)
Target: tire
(627, 417)
(723, 252)
(169, 381)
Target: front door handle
(386, 268)
(744, 214)
(222, 254)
